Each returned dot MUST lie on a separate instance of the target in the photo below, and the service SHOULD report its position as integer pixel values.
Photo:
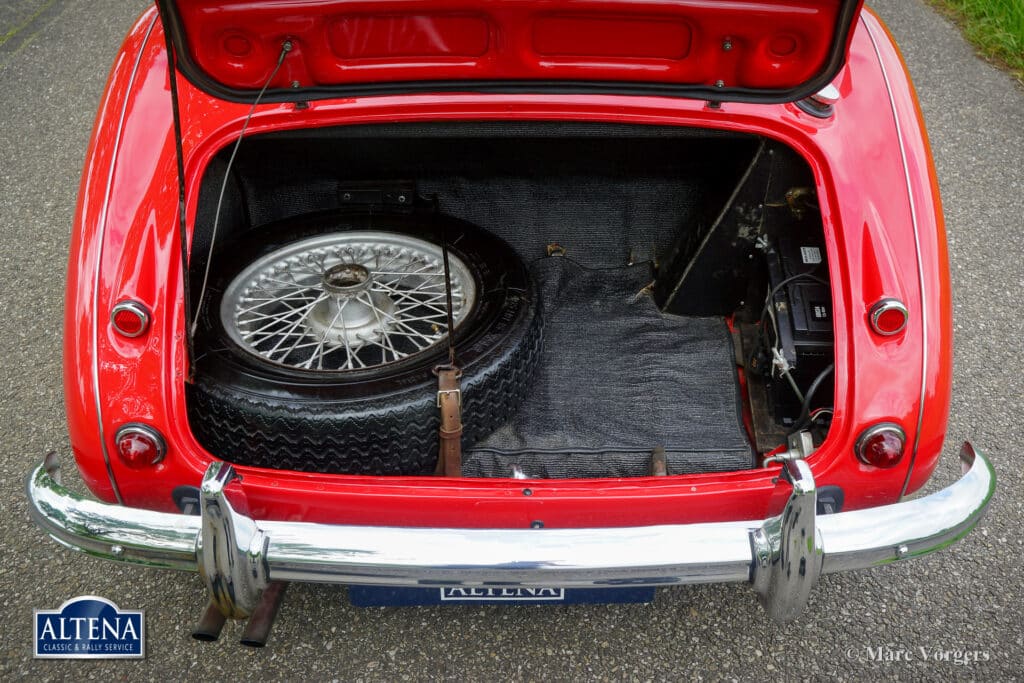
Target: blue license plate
(383, 596)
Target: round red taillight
(129, 318)
(881, 445)
(888, 317)
(139, 445)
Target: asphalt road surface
(969, 599)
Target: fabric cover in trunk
(616, 379)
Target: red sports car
(538, 300)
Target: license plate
(383, 596)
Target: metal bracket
(230, 549)
(801, 445)
(788, 549)
(399, 196)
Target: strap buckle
(456, 392)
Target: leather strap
(659, 462)
(449, 393)
(449, 401)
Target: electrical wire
(818, 412)
(775, 290)
(286, 47)
(805, 407)
(778, 358)
(779, 361)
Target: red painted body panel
(857, 160)
(772, 44)
(87, 244)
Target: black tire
(379, 421)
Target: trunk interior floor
(618, 378)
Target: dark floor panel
(617, 379)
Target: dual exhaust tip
(257, 629)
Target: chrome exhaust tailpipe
(257, 629)
(210, 625)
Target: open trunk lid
(755, 51)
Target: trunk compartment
(665, 261)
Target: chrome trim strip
(100, 238)
(920, 264)
(238, 556)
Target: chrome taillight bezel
(865, 437)
(885, 306)
(141, 429)
(135, 308)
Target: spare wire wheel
(316, 347)
(345, 301)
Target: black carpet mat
(618, 378)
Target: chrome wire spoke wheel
(346, 301)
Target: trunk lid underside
(770, 51)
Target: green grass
(995, 27)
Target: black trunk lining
(617, 378)
(611, 194)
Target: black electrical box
(801, 303)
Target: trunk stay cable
(192, 317)
(286, 47)
(182, 223)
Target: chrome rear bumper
(782, 556)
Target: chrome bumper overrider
(782, 556)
